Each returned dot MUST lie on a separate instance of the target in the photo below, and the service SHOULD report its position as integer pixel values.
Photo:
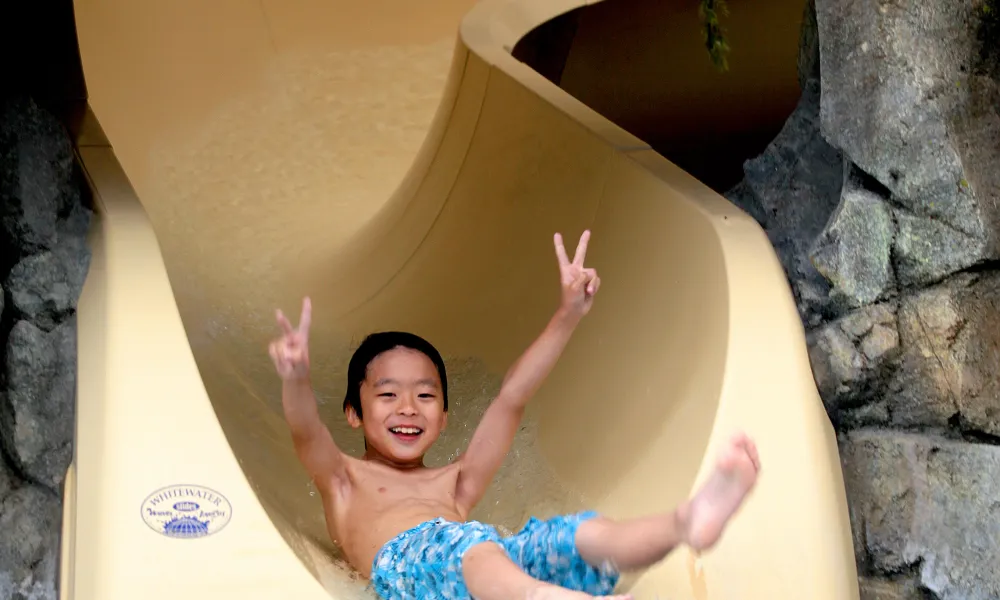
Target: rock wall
(43, 263)
(882, 198)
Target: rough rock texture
(926, 361)
(854, 251)
(948, 371)
(44, 287)
(43, 263)
(791, 189)
(808, 45)
(36, 183)
(897, 589)
(913, 501)
(901, 100)
(850, 357)
(30, 520)
(893, 261)
(37, 428)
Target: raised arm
(495, 434)
(313, 443)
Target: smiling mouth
(406, 434)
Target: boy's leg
(698, 523)
(490, 574)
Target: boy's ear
(352, 417)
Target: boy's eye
(387, 395)
(427, 395)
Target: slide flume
(407, 178)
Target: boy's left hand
(579, 284)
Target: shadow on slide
(435, 215)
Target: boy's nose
(407, 406)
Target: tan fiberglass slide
(392, 160)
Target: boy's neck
(373, 455)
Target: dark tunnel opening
(643, 65)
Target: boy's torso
(379, 502)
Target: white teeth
(406, 430)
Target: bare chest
(381, 503)
(377, 485)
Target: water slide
(395, 162)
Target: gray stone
(45, 286)
(928, 249)
(72, 230)
(879, 474)
(792, 189)
(926, 505)
(36, 176)
(45, 573)
(975, 127)
(886, 589)
(854, 251)
(808, 62)
(946, 373)
(849, 357)
(40, 289)
(6, 482)
(30, 519)
(38, 585)
(894, 77)
(926, 360)
(36, 423)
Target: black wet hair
(374, 345)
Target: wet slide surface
(395, 163)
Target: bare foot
(719, 498)
(551, 592)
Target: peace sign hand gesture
(290, 352)
(579, 284)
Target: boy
(405, 526)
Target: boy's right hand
(579, 283)
(290, 352)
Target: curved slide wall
(247, 142)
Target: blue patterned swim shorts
(425, 562)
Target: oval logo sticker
(186, 511)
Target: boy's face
(402, 404)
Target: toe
(742, 444)
(751, 449)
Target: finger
(581, 248)
(279, 362)
(283, 322)
(595, 284)
(580, 281)
(561, 251)
(306, 319)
